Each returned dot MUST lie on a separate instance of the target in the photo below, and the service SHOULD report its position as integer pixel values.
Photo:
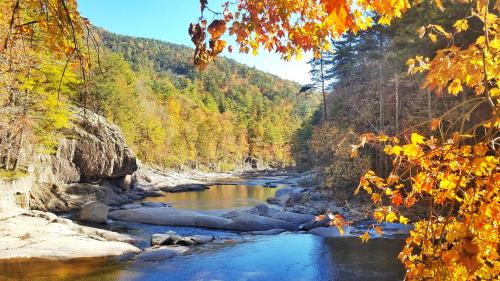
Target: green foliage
(174, 116)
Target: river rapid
(287, 256)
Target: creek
(287, 256)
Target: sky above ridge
(168, 20)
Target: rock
(94, 212)
(272, 200)
(153, 193)
(271, 184)
(35, 234)
(202, 239)
(125, 182)
(250, 222)
(294, 199)
(162, 253)
(282, 192)
(169, 238)
(266, 232)
(185, 187)
(317, 196)
(154, 204)
(171, 216)
(130, 206)
(100, 151)
(295, 218)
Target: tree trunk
(323, 87)
(397, 103)
(429, 105)
(380, 96)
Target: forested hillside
(173, 115)
(369, 90)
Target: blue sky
(168, 20)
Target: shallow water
(288, 256)
(217, 197)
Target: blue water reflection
(291, 257)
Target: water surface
(287, 257)
(217, 197)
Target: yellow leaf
(384, 20)
(376, 197)
(461, 25)
(417, 139)
(379, 216)
(365, 237)
(378, 230)
(433, 37)
(455, 87)
(341, 230)
(391, 217)
(383, 137)
(439, 4)
(403, 219)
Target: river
(287, 256)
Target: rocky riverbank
(94, 172)
(37, 234)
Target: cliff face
(92, 162)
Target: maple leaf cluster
(456, 175)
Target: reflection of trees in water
(84, 269)
(218, 197)
(350, 259)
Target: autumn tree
(455, 172)
(40, 52)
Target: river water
(287, 257)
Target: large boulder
(162, 253)
(243, 221)
(295, 218)
(184, 188)
(170, 216)
(94, 212)
(238, 221)
(92, 162)
(100, 150)
(42, 235)
(172, 238)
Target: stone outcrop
(171, 216)
(236, 220)
(295, 218)
(92, 162)
(94, 211)
(172, 238)
(100, 150)
(36, 234)
(161, 253)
